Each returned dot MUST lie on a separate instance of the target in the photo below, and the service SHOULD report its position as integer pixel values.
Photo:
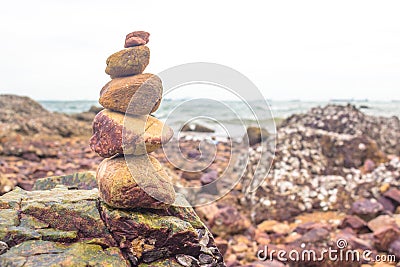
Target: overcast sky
(310, 50)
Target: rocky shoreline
(36, 143)
(336, 174)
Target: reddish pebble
(137, 38)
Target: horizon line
(349, 100)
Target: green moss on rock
(16, 234)
(148, 236)
(80, 180)
(61, 227)
(12, 199)
(8, 217)
(162, 263)
(32, 222)
(46, 253)
(58, 235)
(69, 210)
(184, 211)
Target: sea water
(231, 118)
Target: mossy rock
(57, 215)
(68, 210)
(62, 227)
(32, 222)
(149, 236)
(184, 211)
(8, 217)
(14, 235)
(46, 253)
(80, 180)
(12, 200)
(51, 234)
(162, 263)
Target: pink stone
(136, 38)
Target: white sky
(309, 50)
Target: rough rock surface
(307, 198)
(177, 225)
(150, 237)
(62, 227)
(5, 185)
(127, 62)
(73, 213)
(351, 121)
(255, 135)
(196, 128)
(87, 116)
(138, 95)
(116, 133)
(46, 253)
(81, 180)
(162, 263)
(136, 38)
(134, 182)
(24, 116)
(323, 167)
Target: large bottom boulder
(68, 227)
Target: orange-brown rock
(134, 182)
(117, 133)
(130, 61)
(139, 95)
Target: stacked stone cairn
(124, 133)
(137, 195)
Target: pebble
(136, 38)
(186, 260)
(393, 194)
(3, 247)
(366, 208)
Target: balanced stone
(138, 95)
(137, 38)
(117, 133)
(127, 62)
(134, 182)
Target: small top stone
(136, 38)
